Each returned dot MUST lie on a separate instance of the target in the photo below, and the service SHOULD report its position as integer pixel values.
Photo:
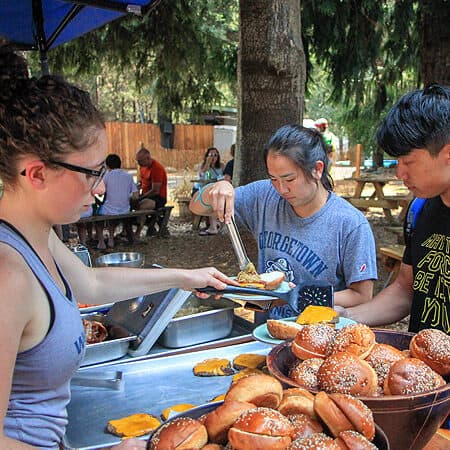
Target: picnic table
(378, 198)
(391, 258)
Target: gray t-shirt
(333, 246)
(119, 185)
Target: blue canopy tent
(44, 24)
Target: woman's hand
(215, 198)
(207, 276)
(130, 444)
(221, 198)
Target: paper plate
(261, 333)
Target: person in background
(322, 126)
(417, 132)
(120, 188)
(52, 151)
(211, 170)
(85, 230)
(153, 185)
(229, 167)
(301, 227)
(328, 137)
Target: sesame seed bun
(347, 374)
(318, 441)
(219, 421)
(357, 412)
(259, 389)
(297, 401)
(261, 428)
(331, 414)
(433, 348)
(357, 339)
(305, 372)
(313, 341)
(356, 441)
(411, 376)
(179, 434)
(381, 358)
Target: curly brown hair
(46, 117)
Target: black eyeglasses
(98, 174)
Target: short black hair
(113, 161)
(420, 119)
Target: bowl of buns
(402, 377)
(258, 414)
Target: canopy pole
(38, 21)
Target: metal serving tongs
(243, 262)
(238, 246)
(320, 294)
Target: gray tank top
(41, 381)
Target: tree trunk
(271, 79)
(435, 46)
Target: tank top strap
(12, 237)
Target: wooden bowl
(409, 421)
(380, 439)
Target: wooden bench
(387, 203)
(162, 216)
(391, 258)
(392, 202)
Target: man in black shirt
(417, 132)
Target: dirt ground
(184, 247)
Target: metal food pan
(213, 321)
(114, 347)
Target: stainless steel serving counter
(148, 385)
(240, 332)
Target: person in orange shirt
(153, 178)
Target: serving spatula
(298, 298)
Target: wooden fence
(190, 143)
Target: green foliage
(368, 54)
(361, 56)
(180, 54)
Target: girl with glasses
(211, 167)
(210, 171)
(52, 152)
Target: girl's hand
(343, 312)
